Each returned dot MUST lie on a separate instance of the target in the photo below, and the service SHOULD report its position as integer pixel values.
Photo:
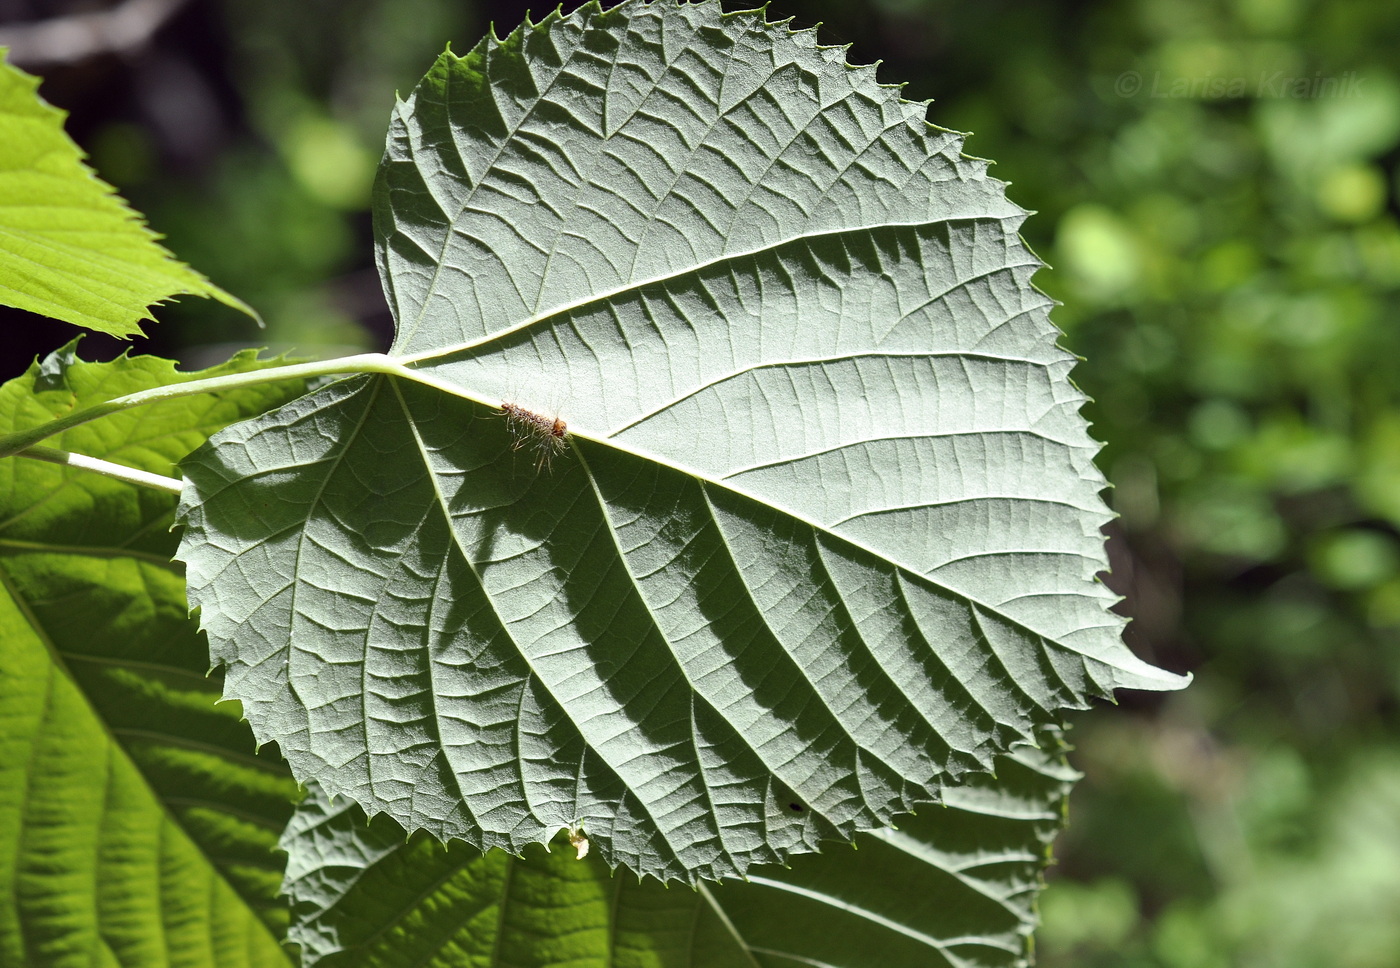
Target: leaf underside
(952, 886)
(825, 535)
(70, 247)
(137, 825)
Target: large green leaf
(69, 246)
(953, 886)
(826, 531)
(137, 824)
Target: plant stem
(14, 443)
(119, 471)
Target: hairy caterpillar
(547, 436)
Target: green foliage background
(1229, 267)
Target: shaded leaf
(137, 825)
(953, 886)
(70, 247)
(825, 534)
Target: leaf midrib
(904, 568)
(634, 286)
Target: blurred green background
(1218, 186)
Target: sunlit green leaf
(137, 824)
(70, 247)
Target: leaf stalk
(118, 471)
(23, 440)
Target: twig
(124, 29)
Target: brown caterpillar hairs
(547, 436)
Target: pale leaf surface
(826, 531)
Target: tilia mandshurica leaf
(823, 533)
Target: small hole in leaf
(796, 807)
